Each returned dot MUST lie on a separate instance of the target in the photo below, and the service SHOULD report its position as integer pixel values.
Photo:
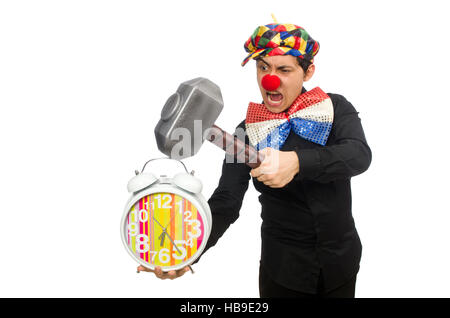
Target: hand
(165, 275)
(278, 167)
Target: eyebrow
(279, 67)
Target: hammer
(190, 113)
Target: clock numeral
(142, 215)
(180, 205)
(133, 215)
(166, 204)
(164, 256)
(188, 215)
(178, 252)
(133, 229)
(180, 248)
(146, 205)
(153, 254)
(195, 226)
(142, 240)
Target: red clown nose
(270, 82)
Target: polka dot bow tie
(310, 116)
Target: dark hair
(304, 63)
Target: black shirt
(307, 225)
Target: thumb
(143, 269)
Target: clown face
(278, 98)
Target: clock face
(164, 229)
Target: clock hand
(158, 223)
(169, 222)
(165, 233)
(173, 242)
(162, 237)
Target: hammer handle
(235, 147)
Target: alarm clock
(166, 222)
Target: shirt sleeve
(226, 200)
(349, 155)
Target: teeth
(275, 101)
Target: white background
(82, 84)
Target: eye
(263, 67)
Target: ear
(309, 72)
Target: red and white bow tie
(310, 116)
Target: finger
(255, 172)
(271, 184)
(265, 178)
(159, 273)
(260, 172)
(172, 274)
(143, 269)
(269, 180)
(276, 184)
(182, 271)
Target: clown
(313, 143)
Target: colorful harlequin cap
(280, 39)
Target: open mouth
(274, 98)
